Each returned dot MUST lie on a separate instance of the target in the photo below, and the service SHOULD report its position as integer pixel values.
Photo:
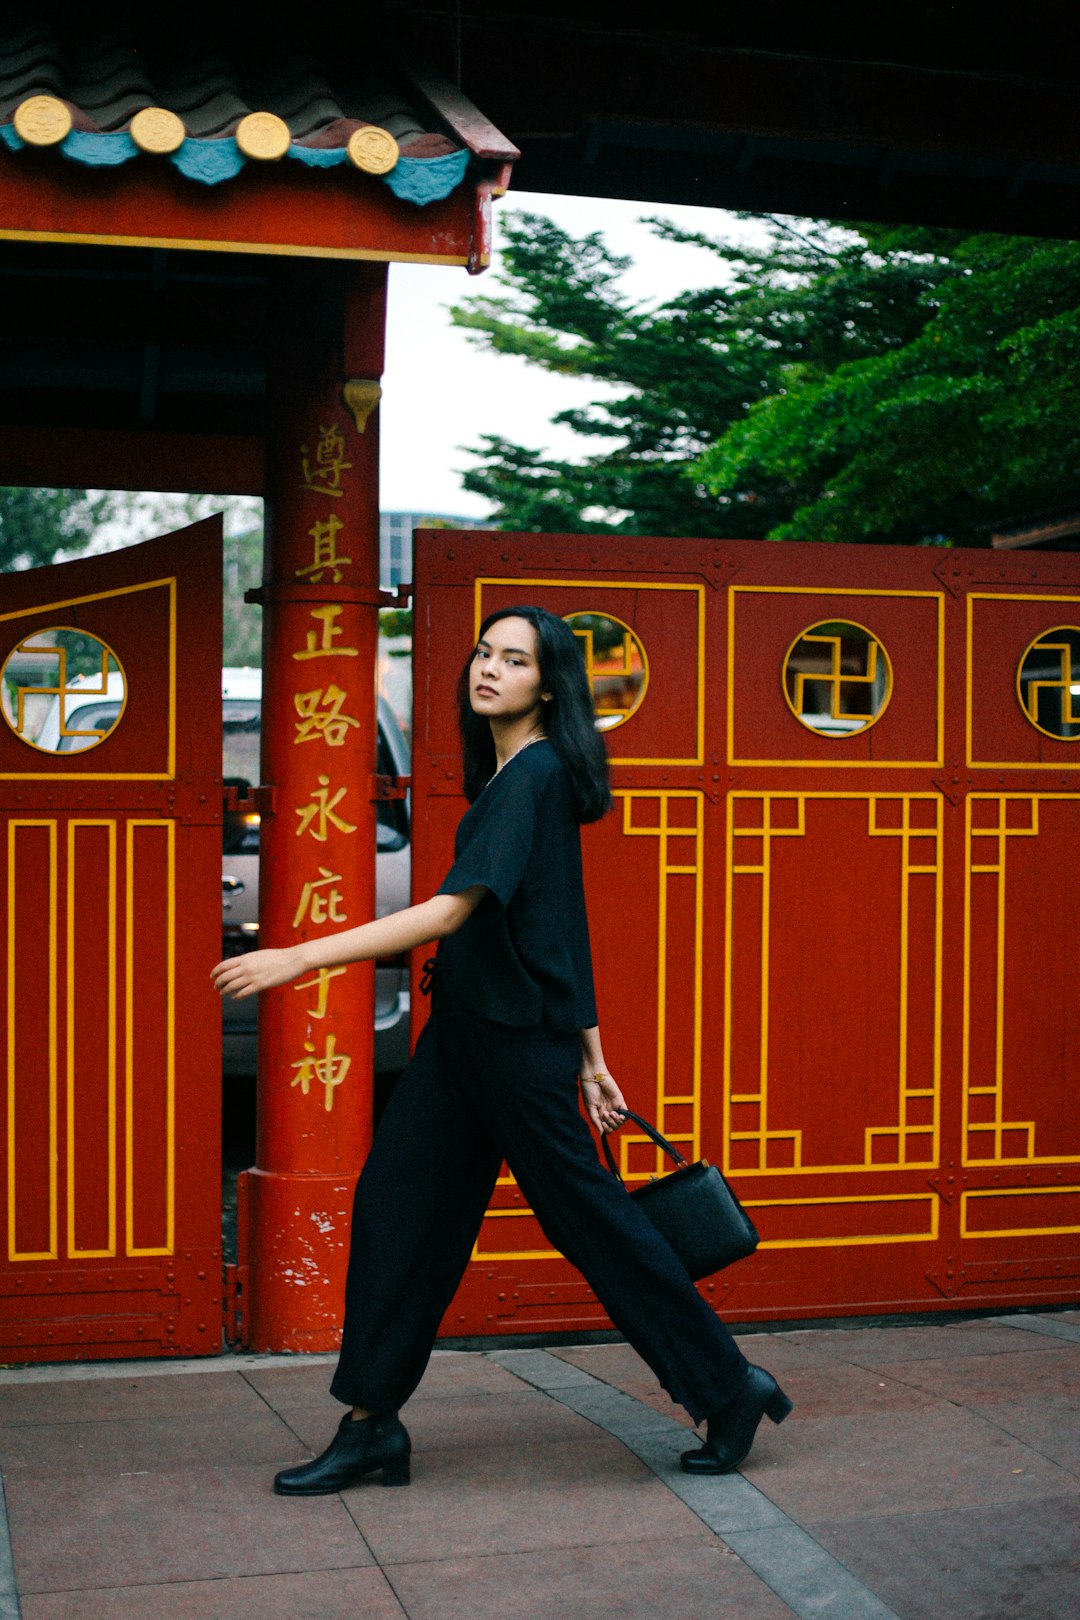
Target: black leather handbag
(694, 1208)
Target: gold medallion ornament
(155, 129)
(373, 149)
(42, 121)
(263, 135)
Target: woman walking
(512, 1034)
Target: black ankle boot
(731, 1431)
(359, 1447)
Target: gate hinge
(389, 787)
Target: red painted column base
(303, 1225)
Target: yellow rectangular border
(98, 944)
(168, 582)
(594, 585)
(1002, 764)
(973, 869)
(835, 764)
(170, 1038)
(209, 245)
(926, 1199)
(1014, 1231)
(50, 1038)
(731, 870)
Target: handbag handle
(651, 1132)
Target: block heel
(779, 1406)
(731, 1431)
(398, 1471)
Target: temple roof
(106, 101)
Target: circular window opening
(62, 690)
(837, 678)
(1048, 682)
(616, 665)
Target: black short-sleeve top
(522, 958)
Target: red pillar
(317, 866)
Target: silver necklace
(539, 737)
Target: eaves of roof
(107, 105)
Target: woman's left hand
(604, 1102)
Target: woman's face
(504, 678)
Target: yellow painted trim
(864, 1239)
(75, 1253)
(902, 1131)
(1004, 764)
(836, 764)
(170, 1037)
(206, 245)
(594, 585)
(618, 717)
(837, 677)
(169, 582)
(51, 1038)
(1014, 1231)
(999, 1126)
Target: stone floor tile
(883, 1463)
(840, 1389)
(1051, 1373)
(1014, 1561)
(866, 1346)
(688, 1579)
(102, 1399)
(466, 1504)
(193, 1524)
(1047, 1427)
(326, 1594)
(144, 1445)
(448, 1373)
(528, 1419)
(623, 1369)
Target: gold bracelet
(594, 1079)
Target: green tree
(38, 526)
(881, 383)
(971, 421)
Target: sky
(441, 392)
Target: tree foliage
(38, 526)
(886, 383)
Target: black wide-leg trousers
(475, 1093)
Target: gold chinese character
(331, 724)
(325, 648)
(321, 908)
(320, 809)
(322, 984)
(329, 1070)
(323, 471)
(326, 556)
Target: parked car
(241, 704)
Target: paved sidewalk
(927, 1473)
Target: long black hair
(569, 723)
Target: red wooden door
(110, 805)
(821, 912)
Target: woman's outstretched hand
(604, 1102)
(246, 975)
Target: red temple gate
(826, 912)
(110, 810)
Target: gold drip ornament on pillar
(361, 395)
